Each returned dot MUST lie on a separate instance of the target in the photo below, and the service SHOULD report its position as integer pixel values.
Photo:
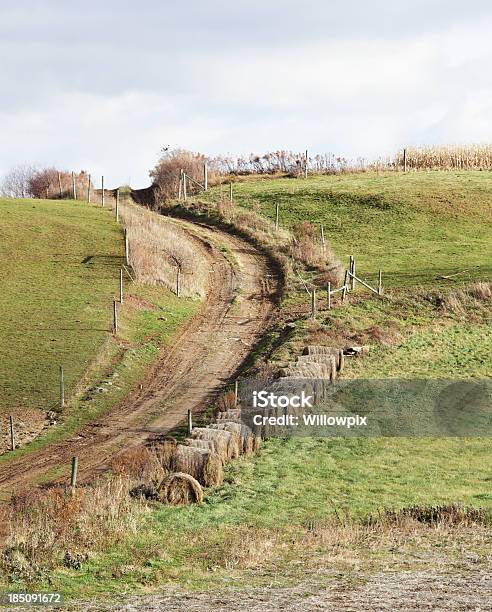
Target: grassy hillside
(291, 510)
(413, 226)
(61, 264)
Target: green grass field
(60, 270)
(61, 265)
(413, 226)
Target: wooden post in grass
(121, 285)
(185, 194)
(89, 190)
(328, 295)
(323, 243)
(115, 316)
(73, 477)
(380, 283)
(60, 191)
(313, 304)
(12, 433)
(404, 160)
(345, 281)
(205, 176)
(230, 192)
(117, 208)
(178, 281)
(180, 185)
(236, 393)
(190, 423)
(277, 210)
(62, 387)
(352, 272)
(102, 190)
(74, 186)
(306, 165)
(126, 247)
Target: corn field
(451, 157)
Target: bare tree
(16, 183)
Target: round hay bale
(229, 415)
(164, 450)
(206, 444)
(205, 466)
(243, 433)
(306, 370)
(224, 443)
(180, 489)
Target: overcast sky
(103, 86)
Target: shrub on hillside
(166, 173)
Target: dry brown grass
(227, 401)
(139, 464)
(47, 527)
(158, 248)
(481, 291)
(461, 301)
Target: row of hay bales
(313, 373)
(323, 362)
(175, 473)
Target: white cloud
(85, 89)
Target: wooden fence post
(205, 176)
(178, 281)
(236, 393)
(380, 283)
(404, 160)
(185, 193)
(190, 423)
(277, 210)
(73, 477)
(313, 303)
(74, 186)
(180, 185)
(345, 281)
(102, 190)
(121, 285)
(12, 433)
(60, 186)
(89, 190)
(323, 243)
(328, 295)
(62, 387)
(126, 247)
(117, 208)
(352, 272)
(115, 316)
(230, 192)
(306, 165)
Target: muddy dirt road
(242, 285)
